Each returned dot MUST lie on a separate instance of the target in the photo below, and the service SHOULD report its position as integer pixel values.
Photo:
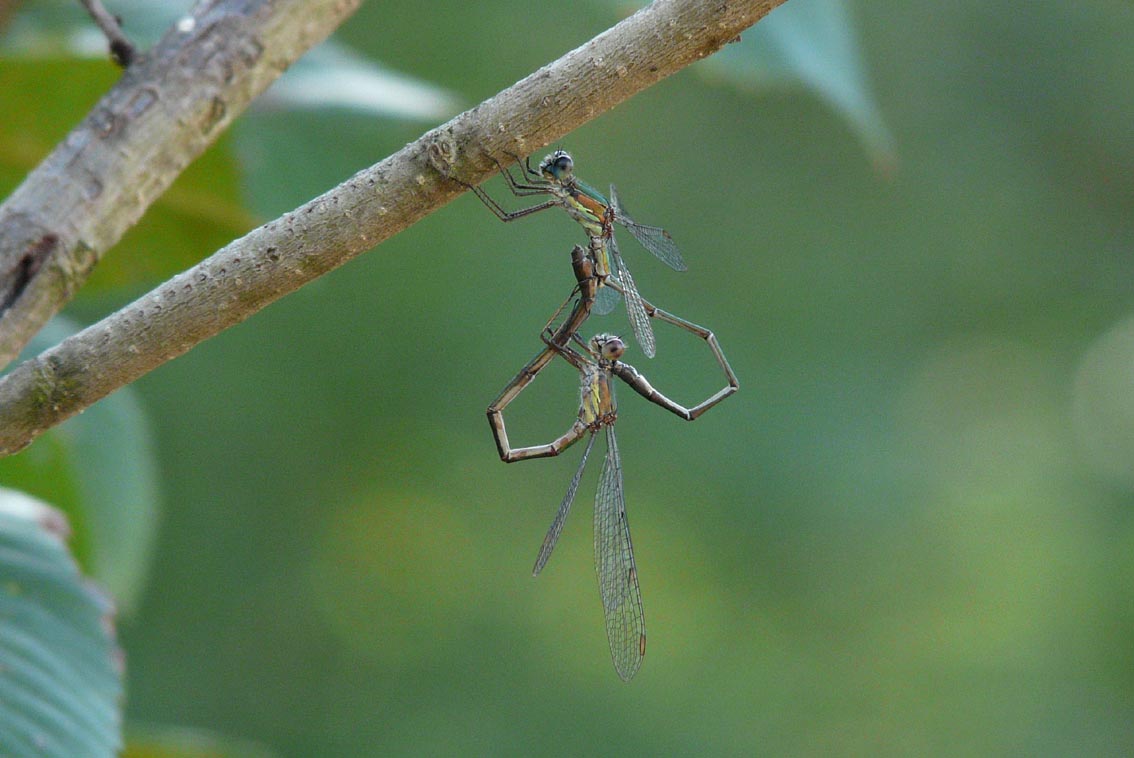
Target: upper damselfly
(597, 215)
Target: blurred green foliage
(99, 468)
(909, 533)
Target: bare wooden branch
(121, 48)
(167, 108)
(352, 218)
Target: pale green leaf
(60, 672)
(812, 44)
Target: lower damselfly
(598, 362)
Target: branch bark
(169, 105)
(375, 204)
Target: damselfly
(597, 215)
(614, 552)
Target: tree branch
(376, 203)
(169, 105)
(121, 48)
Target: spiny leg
(586, 285)
(533, 186)
(526, 162)
(509, 454)
(641, 385)
(499, 211)
(520, 190)
(510, 392)
(703, 333)
(527, 374)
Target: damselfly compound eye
(613, 348)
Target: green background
(910, 532)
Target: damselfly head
(608, 346)
(557, 166)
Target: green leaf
(330, 90)
(60, 675)
(99, 467)
(810, 43)
(333, 75)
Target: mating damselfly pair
(601, 277)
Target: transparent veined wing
(614, 564)
(635, 310)
(653, 238)
(561, 515)
(606, 300)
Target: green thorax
(586, 205)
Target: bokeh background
(910, 532)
